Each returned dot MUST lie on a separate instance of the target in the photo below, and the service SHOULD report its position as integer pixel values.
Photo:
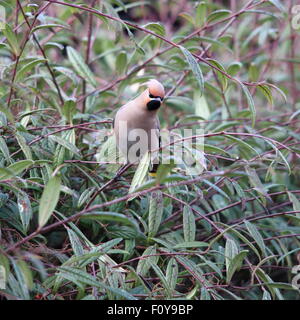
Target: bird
(136, 125)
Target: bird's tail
(155, 163)
(152, 172)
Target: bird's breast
(136, 131)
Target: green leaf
(239, 190)
(26, 273)
(55, 45)
(79, 276)
(66, 144)
(172, 274)
(201, 107)
(189, 225)
(163, 171)
(144, 264)
(250, 103)
(282, 285)
(108, 150)
(268, 282)
(240, 236)
(212, 265)
(25, 210)
(14, 169)
(140, 173)
(294, 115)
(84, 259)
(200, 14)
(204, 293)
(59, 156)
(231, 250)
(121, 62)
(11, 39)
(2, 45)
(279, 153)
(256, 236)
(49, 199)
(225, 126)
(278, 5)
(122, 6)
(28, 67)
(221, 77)
(156, 27)
(218, 15)
(192, 268)
(68, 73)
(106, 246)
(69, 110)
(115, 25)
(279, 91)
(243, 144)
(25, 148)
(4, 263)
(111, 216)
(75, 243)
(191, 244)
(4, 149)
(214, 42)
(138, 48)
(208, 148)
(156, 209)
(50, 26)
(256, 182)
(216, 188)
(267, 93)
(85, 196)
(235, 264)
(234, 68)
(19, 283)
(6, 174)
(194, 67)
(266, 295)
(163, 279)
(80, 66)
(253, 72)
(295, 202)
(187, 17)
(19, 166)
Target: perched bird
(136, 125)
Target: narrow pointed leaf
(49, 199)
(194, 67)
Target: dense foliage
(70, 230)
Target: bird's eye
(151, 95)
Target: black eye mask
(153, 105)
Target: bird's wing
(152, 171)
(158, 130)
(119, 111)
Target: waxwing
(136, 125)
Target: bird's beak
(154, 103)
